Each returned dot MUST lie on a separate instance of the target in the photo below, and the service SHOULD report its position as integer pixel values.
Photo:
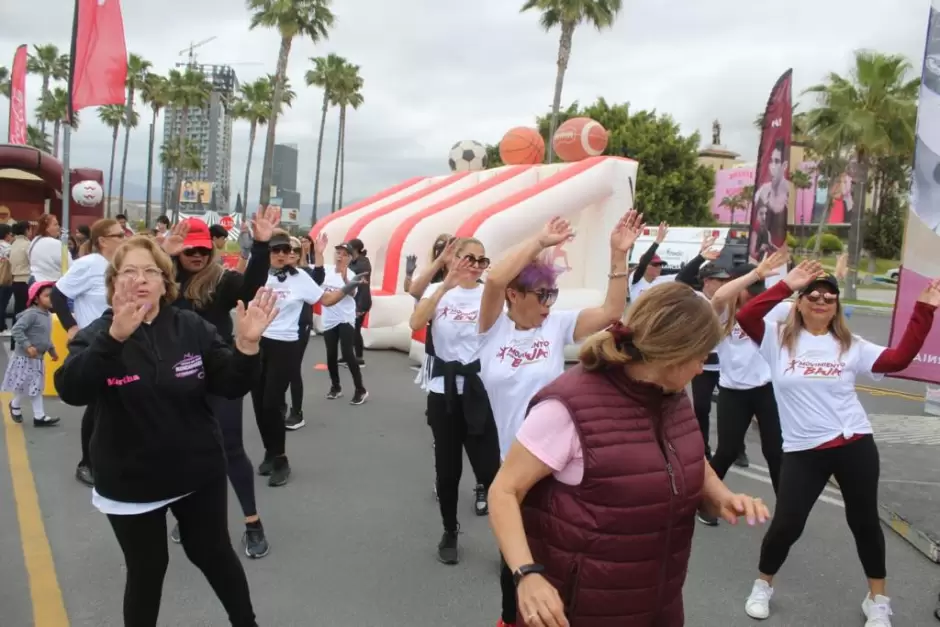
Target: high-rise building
(284, 175)
(209, 129)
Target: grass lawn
(882, 266)
(866, 303)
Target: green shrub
(830, 244)
(792, 242)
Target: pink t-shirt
(549, 433)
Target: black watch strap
(526, 569)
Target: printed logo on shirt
(190, 365)
(814, 369)
(117, 381)
(539, 351)
(280, 293)
(738, 333)
(455, 314)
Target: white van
(683, 243)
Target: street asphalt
(354, 533)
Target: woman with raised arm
(814, 360)
(524, 338)
(458, 408)
(147, 369)
(594, 507)
(302, 257)
(649, 269)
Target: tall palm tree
(291, 18)
(568, 15)
(188, 89)
(154, 91)
(184, 156)
(112, 116)
(4, 81)
(47, 62)
(346, 93)
(137, 70)
(325, 74)
(37, 139)
(734, 203)
(254, 105)
(54, 109)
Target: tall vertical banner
(18, 121)
(919, 259)
(98, 73)
(771, 187)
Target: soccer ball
(468, 156)
(87, 193)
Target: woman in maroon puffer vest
(610, 470)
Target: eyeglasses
(296, 251)
(827, 298)
(480, 262)
(115, 235)
(197, 252)
(150, 273)
(546, 297)
(281, 250)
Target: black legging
(856, 467)
(357, 343)
(297, 380)
(203, 519)
(88, 429)
(229, 413)
(341, 338)
(20, 295)
(279, 361)
(450, 439)
(703, 389)
(736, 408)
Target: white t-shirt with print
(518, 363)
(84, 284)
(741, 365)
(292, 293)
(345, 309)
(636, 289)
(815, 387)
(454, 329)
(45, 259)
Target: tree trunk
(114, 136)
(855, 231)
(128, 113)
(179, 166)
(564, 54)
(339, 150)
(43, 95)
(153, 139)
(316, 182)
(342, 153)
(267, 168)
(251, 148)
(56, 127)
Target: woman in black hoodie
(360, 264)
(147, 370)
(213, 292)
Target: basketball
(579, 138)
(522, 146)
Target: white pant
(36, 401)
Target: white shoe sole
(294, 427)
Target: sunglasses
(281, 250)
(296, 251)
(822, 297)
(197, 252)
(546, 297)
(480, 262)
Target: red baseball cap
(657, 260)
(198, 235)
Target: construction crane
(192, 48)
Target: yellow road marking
(48, 604)
(888, 392)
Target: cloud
(436, 72)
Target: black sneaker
(362, 363)
(708, 521)
(480, 506)
(742, 461)
(280, 473)
(45, 421)
(175, 534)
(334, 393)
(16, 414)
(84, 475)
(256, 545)
(265, 467)
(447, 550)
(359, 397)
(342, 363)
(295, 420)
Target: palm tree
(734, 203)
(4, 81)
(154, 91)
(48, 63)
(569, 14)
(37, 139)
(254, 106)
(346, 93)
(325, 74)
(137, 70)
(112, 116)
(184, 156)
(54, 109)
(291, 18)
(187, 89)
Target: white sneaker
(758, 603)
(877, 611)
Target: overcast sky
(436, 72)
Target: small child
(26, 372)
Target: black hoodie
(155, 435)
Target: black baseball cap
(344, 246)
(711, 271)
(827, 280)
(746, 268)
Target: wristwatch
(527, 569)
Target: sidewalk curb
(881, 312)
(920, 540)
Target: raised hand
(128, 314)
(411, 264)
(264, 222)
(251, 321)
(458, 272)
(626, 232)
(931, 294)
(803, 274)
(450, 251)
(770, 264)
(661, 232)
(320, 244)
(557, 230)
(708, 242)
(174, 240)
(842, 266)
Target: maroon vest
(617, 546)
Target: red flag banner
(18, 122)
(771, 186)
(99, 55)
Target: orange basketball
(522, 146)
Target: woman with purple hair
(523, 338)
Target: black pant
(507, 588)
(229, 413)
(357, 343)
(450, 438)
(297, 380)
(6, 293)
(279, 361)
(735, 410)
(856, 466)
(88, 429)
(204, 533)
(703, 388)
(20, 294)
(341, 338)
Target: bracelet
(618, 275)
